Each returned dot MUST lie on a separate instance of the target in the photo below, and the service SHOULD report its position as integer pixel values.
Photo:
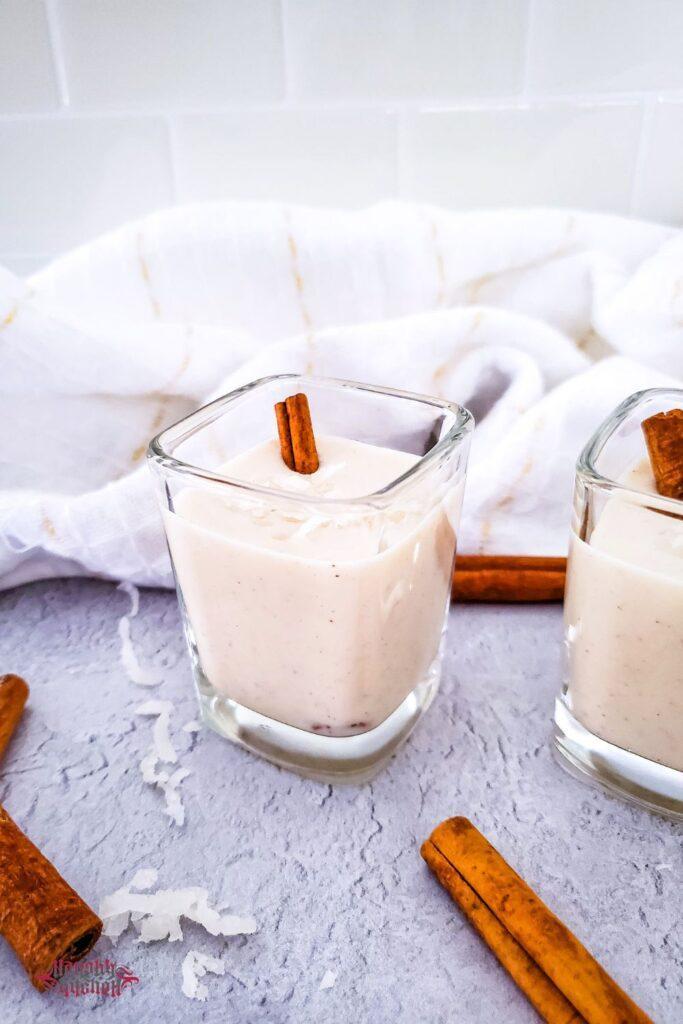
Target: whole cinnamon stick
(508, 578)
(544, 996)
(13, 695)
(41, 916)
(664, 437)
(285, 435)
(555, 951)
(295, 430)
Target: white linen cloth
(540, 321)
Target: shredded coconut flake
(163, 747)
(329, 978)
(163, 750)
(148, 767)
(174, 805)
(134, 670)
(195, 966)
(134, 594)
(157, 915)
(192, 726)
(145, 878)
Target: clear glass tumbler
(315, 623)
(619, 720)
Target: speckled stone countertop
(332, 874)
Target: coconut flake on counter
(192, 726)
(329, 979)
(174, 805)
(195, 966)
(163, 747)
(129, 659)
(156, 915)
(145, 878)
(163, 750)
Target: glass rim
(586, 462)
(158, 454)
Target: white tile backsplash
(605, 45)
(333, 157)
(403, 50)
(112, 108)
(27, 76)
(168, 53)
(659, 195)
(67, 179)
(554, 156)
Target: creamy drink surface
(624, 619)
(322, 620)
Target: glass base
(348, 759)
(634, 778)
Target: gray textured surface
(333, 876)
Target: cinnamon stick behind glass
(41, 916)
(508, 578)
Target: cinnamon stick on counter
(295, 430)
(664, 439)
(41, 916)
(508, 578)
(13, 694)
(558, 975)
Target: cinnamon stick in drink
(457, 852)
(285, 435)
(41, 916)
(295, 430)
(664, 438)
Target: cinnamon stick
(295, 430)
(545, 997)
(508, 578)
(543, 957)
(13, 695)
(41, 916)
(285, 435)
(664, 438)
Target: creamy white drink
(624, 619)
(324, 621)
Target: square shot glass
(619, 718)
(320, 657)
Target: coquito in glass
(619, 720)
(315, 604)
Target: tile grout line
(59, 64)
(402, 147)
(172, 144)
(528, 47)
(286, 57)
(646, 121)
(417, 105)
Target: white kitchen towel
(540, 321)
